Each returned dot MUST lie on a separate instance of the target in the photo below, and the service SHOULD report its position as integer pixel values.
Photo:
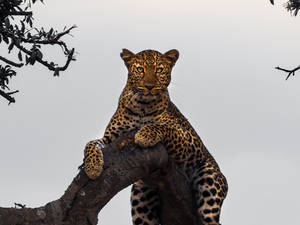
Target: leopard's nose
(149, 87)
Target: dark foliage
(292, 6)
(18, 33)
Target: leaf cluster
(5, 74)
(18, 33)
(293, 6)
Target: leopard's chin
(146, 97)
(151, 95)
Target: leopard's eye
(159, 70)
(140, 69)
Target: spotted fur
(145, 105)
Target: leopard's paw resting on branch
(93, 159)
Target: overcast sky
(224, 82)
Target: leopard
(145, 105)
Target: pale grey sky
(224, 82)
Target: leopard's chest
(144, 109)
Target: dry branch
(289, 72)
(124, 163)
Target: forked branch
(289, 72)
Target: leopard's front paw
(147, 137)
(93, 159)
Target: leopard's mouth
(152, 92)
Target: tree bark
(124, 164)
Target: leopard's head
(149, 71)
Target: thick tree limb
(124, 163)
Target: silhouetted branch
(11, 62)
(290, 72)
(53, 40)
(292, 6)
(38, 56)
(51, 66)
(20, 13)
(124, 163)
(8, 97)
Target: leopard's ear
(173, 55)
(126, 55)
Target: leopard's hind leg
(144, 204)
(209, 188)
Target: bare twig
(59, 35)
(290, 72)
(22, 206)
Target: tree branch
(21, 13)
(7, 96)
(290, 72)
(54, 41)
(124, 163)
(11, 62)
(51, 66)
